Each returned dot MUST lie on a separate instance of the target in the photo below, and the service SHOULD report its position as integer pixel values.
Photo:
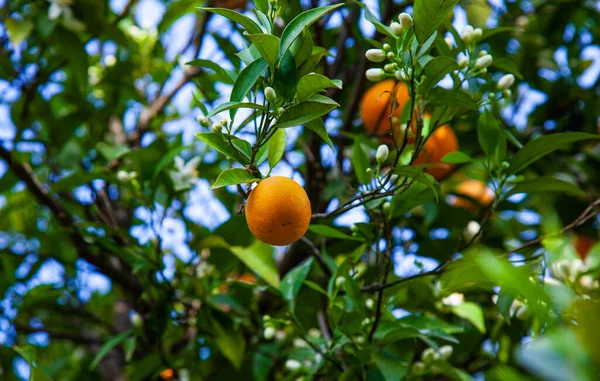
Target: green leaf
(360, 162)
(422, 177)
(546, 184)
(423, 49)
(303, 113)
(222, 74)
(234, 176)
(18, 30)
(370, 17)
(259, 258)
(277, 146)
(507, 66)
(435, 70)
(262, 5)
(453, 98)
(286, 77)
(217, 142)
(246, 80)
(488, 132)
(318, 127)
(231, 343)
(292, 282)
(457, 158)
(428, 15)
(313, 83)
(328, 231)
(417, 194)
(250, 25)
(267, 45)
(540, 147)
(297, 25)
(112, 152)
(302, 48)
(394, 362)
(471, 312)
(110, 344)
(233, 106)
(311, 62)
(28, 354)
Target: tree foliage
(130, 142)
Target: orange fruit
(278, 211)
(583, 245)
(440, 143)
(167, 374)
(474, 190)
(375, 108)
(245, 277)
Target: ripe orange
(583, 245)
(167, 375)
(475, 190)
(375, 108)
(440, 143)
(278, 211)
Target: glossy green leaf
(420, 176)
(453, 98)
(488, 132)
(328, 231)
(303, 112)
(220, 143)
(457, 158)
(360, 162)
(542, 146)
(223, 75)
(250, 25)
(471, 312)
(546, 184)
(293, 280)
(106, 347)
(297, 25)
(231, 343)
(428, 15)
(246, 80)
(318, 127)
(234, 105)
(435, 70)
(286, 77)
(277, 146)
(313, 83)
(259, 258)
(234, 176)
(267, 45)
(394, 362)
(370, 17)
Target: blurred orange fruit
(474, 190)
(167, 374)
(375, 108)
(440, 143)
(583, 245)
(278, 211)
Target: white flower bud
(454, 299)
(484, 62)
(375, 75)
(299, 343)
(123, 176)
(269, 333)
(506, 82)
(587, 282)
(396, 28)
(387, 47)
(217, 127)
(477, 33)
(577, 267)
(375, 55)
(280, 110)
(366, 321)
(482, 53)
(446, 351)
(418, 368)
(136, 319)
(463, 62)
(467, 34)
(429, 355)
(449, 41)
(201, 119)
(401, 75)
(314, 332)
(270, 95)
(382, 153)
(405, 20)
(339, 281)
(369, 303)
(360, 339)
(110, 60)
(280, 335)
(293, 365)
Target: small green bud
(270, 95)
(387, 47)
(339, 281)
